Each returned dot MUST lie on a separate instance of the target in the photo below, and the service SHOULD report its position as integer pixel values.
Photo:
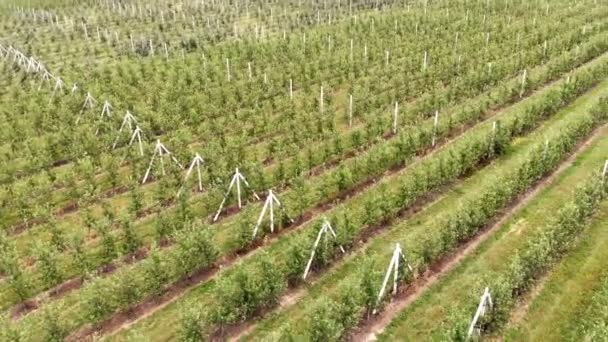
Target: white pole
(321, 100)
(484, 302)
(605, 169)
(161, 151)
(523, 83)
(238, 187)
(228, 69)
(197, 160)
(395, 115)
(236, 179)
(325, 227)
(137, 134)
(350, 110)
(425, 61)
(436, 121)
(290, 89)
(271, 199)
(393, 268)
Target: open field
(303, 170)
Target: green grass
(162, 324)
(422, 319)
(566, 291)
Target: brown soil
(70, 208)
(66, 287)
(143, 309)
(23, 308)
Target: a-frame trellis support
(46, 77)
(271, 201)
(197, 161)
(89, 102)
(160, 151)
(127, 121)
(393, 268)
(106, 111)
(58, 86)
(485, 302)
(237, 178)
(137, 133)
(325, 229)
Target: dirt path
(370, 329)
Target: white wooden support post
(387, 56)
(132, 45)
(58, 86)
(321, 101)
(605, 171)
(228, 69)
(485, 302)
(425, 61)
(325, 229)
(106, 111)
(393, 268)
(127, 121)
(271, 200)
(160, 151)
(395, 115)
(46, 76)
(197, 161)
(249, 72)
(290, 89)
(435, 123)
(237, 178)
(523, 83)
(166, 51)
(30, 63)
(350, 110)
(88, 104)
(137, 135)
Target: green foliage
(131, 242)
